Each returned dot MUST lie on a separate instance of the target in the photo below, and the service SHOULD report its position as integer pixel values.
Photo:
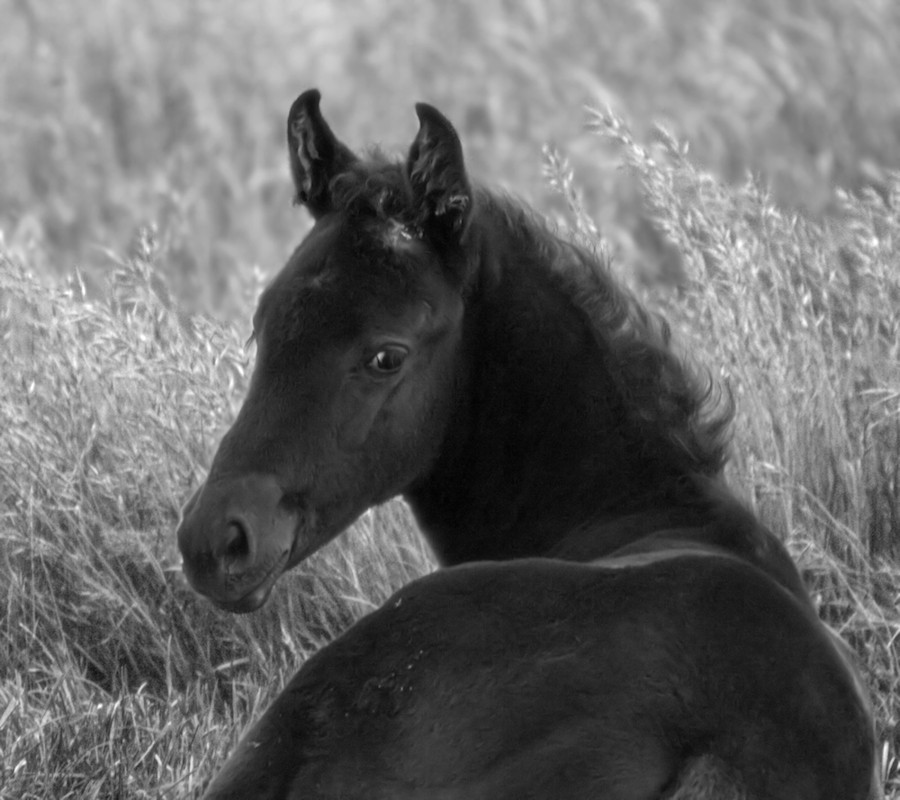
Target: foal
(611, 622)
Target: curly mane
(668, 398)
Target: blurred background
(117, 114)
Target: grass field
(144, 200)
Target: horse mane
(668, 397)
(376, 187)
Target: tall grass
(109, 409)
(143, 144)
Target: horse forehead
(331, 305)
(381, 259)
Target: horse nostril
(235, 551)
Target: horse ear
(438, 176)
(315, 153)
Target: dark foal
(630, 630)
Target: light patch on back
(644, 559)
(320, 279)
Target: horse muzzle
(236, 538)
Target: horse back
(542, 679)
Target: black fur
(611, 622)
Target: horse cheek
(356, 420)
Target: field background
(144, 200)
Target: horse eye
(387, 361)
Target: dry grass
(156, 131)
(108, 410)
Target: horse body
(552, 679)
(632, 631)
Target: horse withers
(610, 621)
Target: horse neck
(542, 441)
